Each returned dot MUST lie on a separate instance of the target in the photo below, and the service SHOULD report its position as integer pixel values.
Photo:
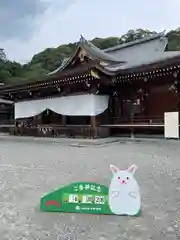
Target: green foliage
(174, 40)
(2, 55)
(103, 43)
(132, 35)
(51, 58)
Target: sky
(30, 26)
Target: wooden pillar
(178, 94)
(93, 126)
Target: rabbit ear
(132, 169)
(114, 169)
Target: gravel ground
(28, 169)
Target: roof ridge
(135, 42)
(88, 45)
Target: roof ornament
(163, 32)
(85, 41)
(82, 39)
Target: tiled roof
(134, 54)
(150, 59)
(98, 53)
(136, 42)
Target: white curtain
(79, 105)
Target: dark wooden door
(127, 110)
(161, 100)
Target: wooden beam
(6, 101)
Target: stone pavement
(69, 141)
(73, 141)
(28, 169)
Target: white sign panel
(171, 125)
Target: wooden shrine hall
(98, 93)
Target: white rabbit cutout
(124, 195)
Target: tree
(104, 43)
(174, 40)
(2, 55)
(132, 35)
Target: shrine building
(99, 93)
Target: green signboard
(122, 197)
(80, 197)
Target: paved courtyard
(28, 169)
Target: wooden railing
(85, 131)
(7, 122)
(138, 120)
(56, 131)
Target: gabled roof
(154, 58)
(143, 52)
(93, 52)
(135, 43)
(140, 50)
(97, 53)
(61, 67)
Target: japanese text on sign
(91, 187)
(88, 208)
